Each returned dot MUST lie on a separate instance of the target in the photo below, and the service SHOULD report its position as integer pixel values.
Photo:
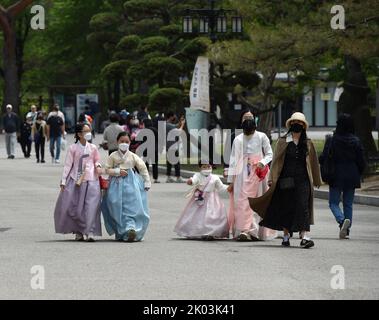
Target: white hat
(9, 106)
(299, 117)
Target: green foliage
(134, 101)
(166, 99)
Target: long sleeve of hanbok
(141, 166)
(110, 167)
(219, 186)
(268, 154)
(69, 162)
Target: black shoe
(286, 243)
(306, 244)
(37, 160)
(43, 161)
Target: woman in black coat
(346, 166)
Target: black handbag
(287, 183)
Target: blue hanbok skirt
(124, 206)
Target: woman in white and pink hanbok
(248, 177)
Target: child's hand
(123, 173)
(189, 182)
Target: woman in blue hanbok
(124, 205)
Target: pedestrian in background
(78, 207)
(176, 128)
(288, 205)
(11, 128)
(39, 135)
(151, 155)
(111, 133)
(345, 151)
(32, 113)
(55, 132)
(25, 138)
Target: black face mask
(297, 128)
(249, 126)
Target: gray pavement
(163, 266)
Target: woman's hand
(260, 165)
(63, 187)
(231, 188)
(189, 182)
(123, 173)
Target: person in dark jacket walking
(11, 125)
(25, 136)
(151, 155)
(346, 152)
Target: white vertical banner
(199, 93)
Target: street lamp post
(211, 21)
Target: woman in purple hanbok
(78, 207)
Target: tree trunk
(11, 74)
(354, 101)
(12, 65)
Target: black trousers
(155, 169)
(26, 146)
(177, 167)
(40, 149)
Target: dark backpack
(327, 166)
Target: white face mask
(206, 173)
(123, 147)
(88, 136)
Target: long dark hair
(78, 129)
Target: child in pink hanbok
(205, 216)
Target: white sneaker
(57, 161)
(170, 180)
(180, 180)
(90, 238)
(345, 226)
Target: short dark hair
(123, 134)
(148, 123)
(170, 114)
(114, 117)
(345, 124)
